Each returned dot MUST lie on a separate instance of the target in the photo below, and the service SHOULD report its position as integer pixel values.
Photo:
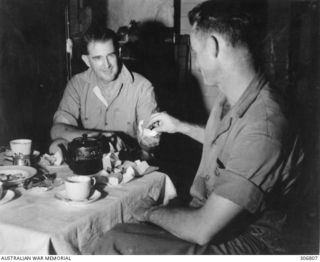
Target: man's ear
(214, 45)
(85, 59)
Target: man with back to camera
(105, 98)
(249, 155)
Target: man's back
(248, 155)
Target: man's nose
(106, 62)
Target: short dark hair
(231, 19)
(95, 34)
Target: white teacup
(78, 188)
(21, 146)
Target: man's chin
(108, 79)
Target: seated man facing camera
(105, 98)
(249, 155)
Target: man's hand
(146, 141)
(54, 147)
(163, 122)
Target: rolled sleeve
(147, 104)
(251, 171)
(70, 104)
(240, 191)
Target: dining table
(36, 222)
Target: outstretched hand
(146, 141)
(162, 122)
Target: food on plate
(44, 181)
(10, 177)
(115, 178)
(127, 164)
(128, 175)
(118, 172)
(141, 167)
(51, 160)
(110, 161)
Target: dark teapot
(84, 154)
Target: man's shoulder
(137, 77)
(138, 81)
(267, 114)
(80, 81)
(84, 77)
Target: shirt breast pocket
(122, 120)
(219, 168)
(210, 180)
(92, 117)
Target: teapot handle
(93, 181)
(64, 152)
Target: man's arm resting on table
(198, 225)
(63, 129)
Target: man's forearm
(181, 222)
(198, 225)
(68, 132)
(194, 131)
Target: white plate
(62, 195)
(9, 195)
(26, 171)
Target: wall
(121, 12)
(186, 6)
(32, 68)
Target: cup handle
(93, 181)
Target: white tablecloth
(39, 223)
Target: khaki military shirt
(130, 98)
(245, 153)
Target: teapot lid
(84, 141)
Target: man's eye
(113, 55)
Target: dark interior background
(33, 74)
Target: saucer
(8, 153)
(62, 195)
(9, 195)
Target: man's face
(204, 57)
(103, 59)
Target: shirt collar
(249, 95)
(124, 77)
